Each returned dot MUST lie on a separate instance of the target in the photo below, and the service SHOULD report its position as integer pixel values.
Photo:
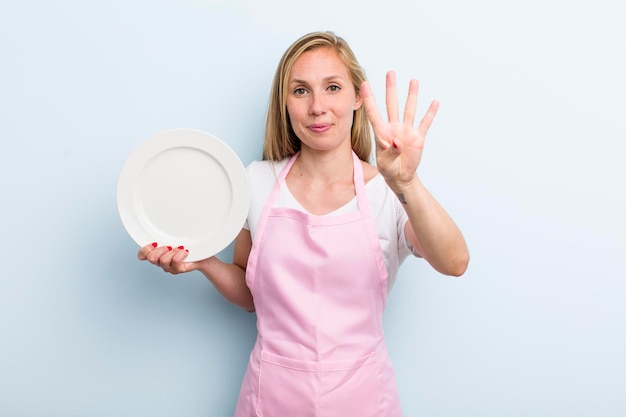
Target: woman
(324, 238)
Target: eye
(333, 88)
(299, 91)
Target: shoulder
(262, 176)
(265, 167)
(369, 171)
(263, 172)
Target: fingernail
(187, 250)
(154, 244)
(394, 144)
(181, 247)
(169, 248)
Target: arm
(399, 148)
(431, 231)
(228, 278)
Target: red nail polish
(181, 247)
(169, 248)
(187, 250)
(154, 244)
(394, 145)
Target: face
(321, 100)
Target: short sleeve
(261, 176)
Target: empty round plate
(184, 187)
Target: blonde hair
(280, 140)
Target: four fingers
(394, 136)
(391, 99)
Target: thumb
(386, 158)
(395, 149)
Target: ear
(359, 100)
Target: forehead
(319, 62)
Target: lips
(319, 128)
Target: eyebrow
(326, 79)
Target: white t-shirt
(387, 213)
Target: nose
(317, 105)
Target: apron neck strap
(359, 182)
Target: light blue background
(526, 154)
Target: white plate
(184, 187)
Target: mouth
(320, 128)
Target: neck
(326, 167)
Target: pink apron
(319, 285)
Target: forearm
(431, 230)
(230, 281)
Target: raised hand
(399, 145)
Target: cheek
(349, 113)
(293, 122)
(349, 107)
(292, 113)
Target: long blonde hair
(280, 140)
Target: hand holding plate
(168, 258)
